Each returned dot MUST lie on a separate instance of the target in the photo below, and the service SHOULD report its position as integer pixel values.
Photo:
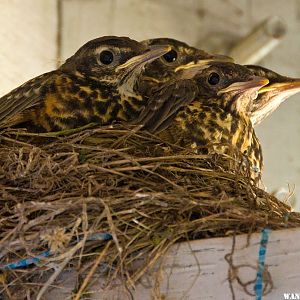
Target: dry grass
(58, 190)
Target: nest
(107, 196)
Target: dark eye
(213, 78)
(170, 56)
(106, 57)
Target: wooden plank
(198, 270)
(28, 40)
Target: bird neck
(239, 105)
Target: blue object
(26, 262)
(102, 236)
(261, 263)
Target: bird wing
(165, 102)
(26, 96)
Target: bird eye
(170, 56)
(213, 78)
(106, 57)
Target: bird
(168, 65)
(176, 64)
(97, 84)
(273, 94)
(268, 100)
(213, 115)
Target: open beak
(255, 84)
(155, 52)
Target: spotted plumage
(167, 67)
(85, 89)
(97, 84)
(269, 98)
(214, 117)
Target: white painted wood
(28, 31)
(260, 42)
(198, 270)
(223, 24)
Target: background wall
(35, 35)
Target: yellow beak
(204, 63)
(293, 84)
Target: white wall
(28, 30)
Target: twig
(92, 271)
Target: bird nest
(107, 196)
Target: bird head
(230, 86)
(113, 60)
(273, 94)
(168, 66)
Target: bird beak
(271, 96)
(291, 87)
(155, 52)
(191, 69)
(222, 58)
(202, 64)
(255, 84)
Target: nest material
(60, 189)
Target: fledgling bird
(273, 94)
(213, 114)
(86, 89)
(269, 98)
(167, 67)
(175, 65)
(97, 84)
